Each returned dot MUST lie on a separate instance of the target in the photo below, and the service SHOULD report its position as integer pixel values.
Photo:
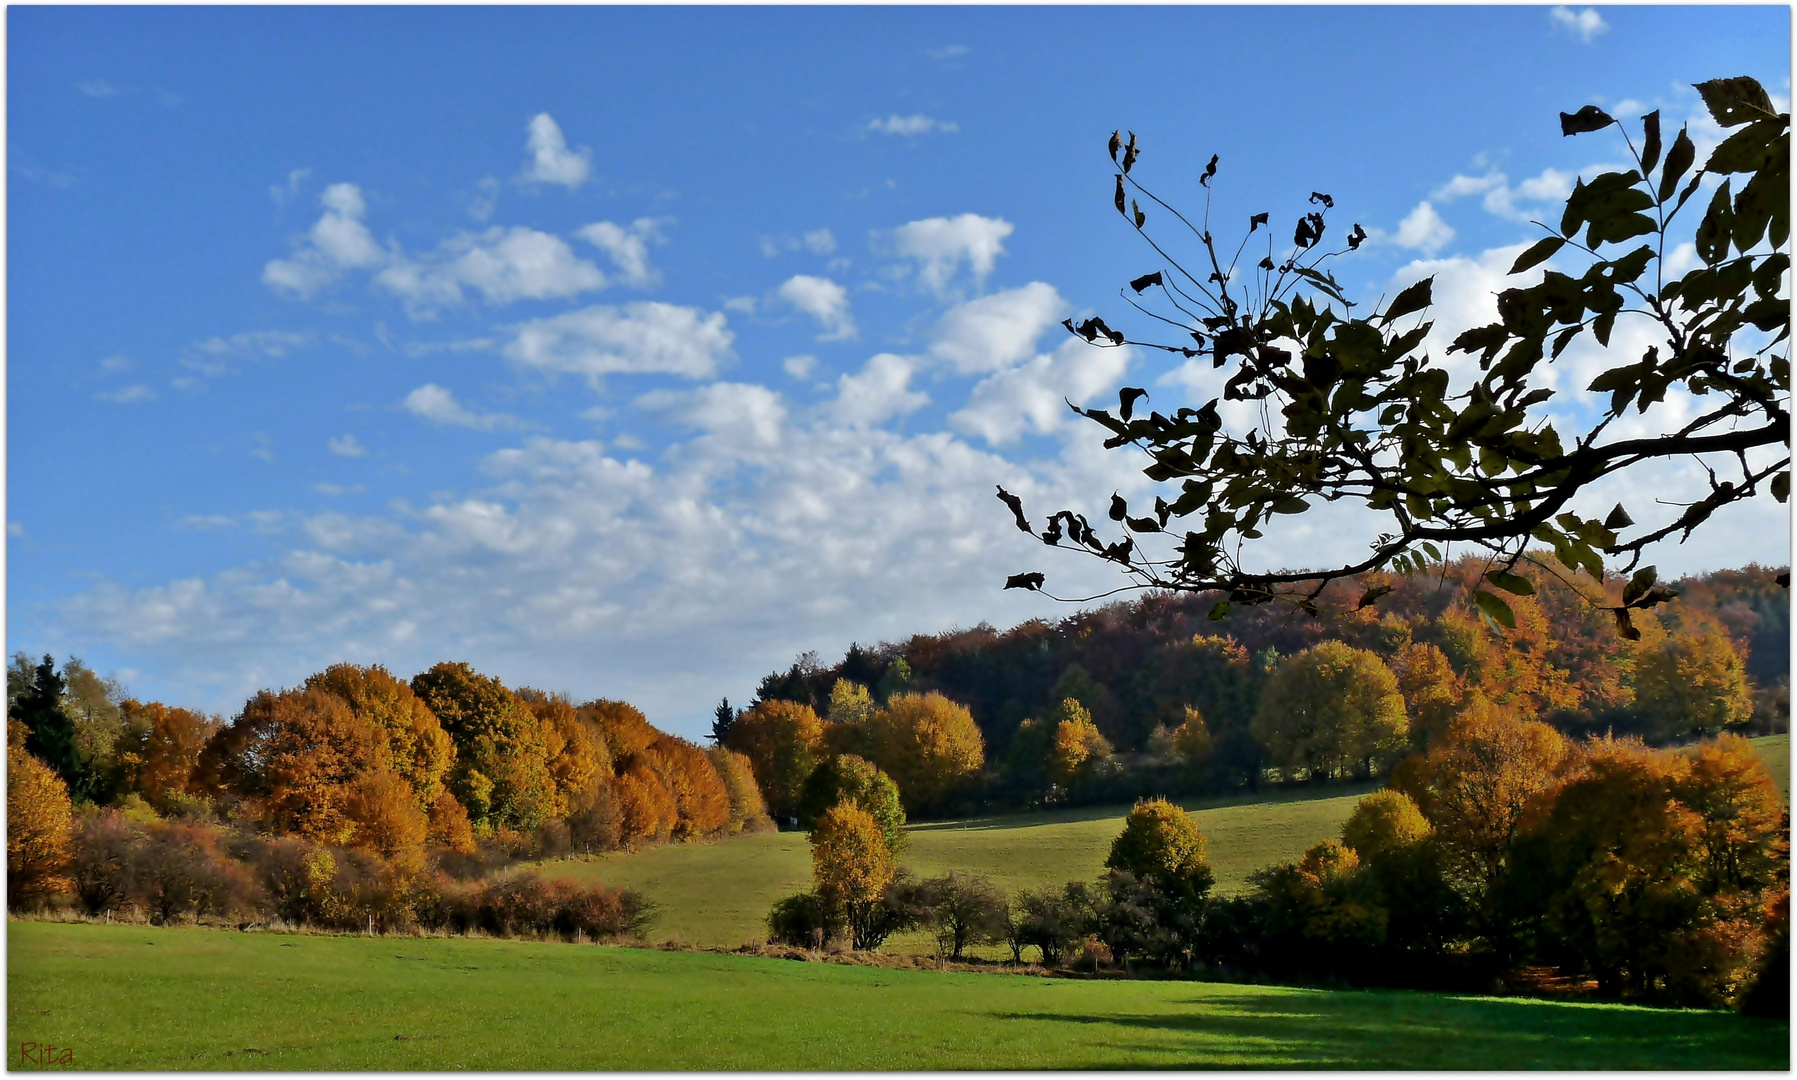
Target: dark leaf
(1538, 253)
(1141, 218)
(1736, 101)
(1678, 159)
(1624, 625)
(1122, 202)
(1209, 171)
(1126, 400)
(1618, 520)
(1256, 222)
(1356, 238)
(1781, 486)
(1371, 595)
(1495, 608)
(1119, 508)
(1266, 263)
(1716, 228)
(1650, 152)
(1016, 506)
(1413, 299)
(1639, 584)
(1514, 584)
(1031, 581)
(1116, 143)
(1145, 281)
(1129, 153)
(1219, 611)
(1589, 118)
(1319, 197)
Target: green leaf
(1515, 584)
(1747, 150)
(1638, 585)
(1494, 607)
(1538, 253)
(1219, 611)
(1736, 101)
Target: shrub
(805, 920)
(963, 910)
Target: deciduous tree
(928, 745)
(846, 778)
(417, 747)
(1693, 681)
(38, 817)
(1332, 709)
(501, 770)
(783, 740)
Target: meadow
(134, 997)
(719, 894)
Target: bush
(962, 910)
(803, 920)
(165, 871)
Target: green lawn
(1776, 750)
(719, 893)
(143, 998)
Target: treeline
(355, 799)
(1152, 696)
(1506, 857)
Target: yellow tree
(1079, 747)
(748, 813)
(417, 748)
(501, 770)
(1432, 691)
(38, 814)
(1161, 844)
(579, 760)
(1331, 709)
(1384, 822)
(1726, 784)
(1693, 681)
(783, 741)
(928, 745)
(294, 756)
(384, 809)
(851, 866)
(1191, 740)
(701, 801)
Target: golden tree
(501, 770)
(851, 866)
(1432, 691)
(701, 801)
(160, 750)
(1694, 680)
(1192, 741)
(927, 744)
(748, 813)
(293, 756)
(1161, 844)
(416, 746)
(1078, 744)
(1383, 822)
(383, 807)
(1726, 784)
(783, 741)
(38, 814)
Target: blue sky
(630, 352)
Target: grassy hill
(719, 894)
(125, 997)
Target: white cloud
(486, 199)
(97, 88)
(940, 245)
(283, 194)
(879, 393)
(817, 241)
(273, 344)
(338, 241)
(820, 241)
(505, 265)
(740, 415)
(627, 247)
(439, 406)
(346, 446)
(823, 300)
(1585, 24)
(1552, 186)
(551, 162)
(1033, 398)
(338, 490)
(917, 124)
(117, 362)
(994, 332)
(640, 338)
(947, 52)
(799, 367)
(1423, 230)
(128, 395)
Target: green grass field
(719, 893)
(126, 997)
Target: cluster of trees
(1153, 696)
(389, 781)
(925, 745)
(1656, 874)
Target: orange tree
(783, 741)
(1350, 407)
(38, 816)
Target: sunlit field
(128, 997)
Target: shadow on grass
(1405, 1030)
(1074, 815)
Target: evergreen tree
(50, 733)
(721, 720)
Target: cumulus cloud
(551, 162)
(1551, 187)
(939, 246)
(128, 395)
(1423, 230)
(916, 124)
(823, 300)
(627, 247)
(637, 339)
(994, 332)
(503, 265)
(880, 392)
(437, 405)
(1032, 398)
(799, 367)
(347, 445)
(1584, 25)
(338, 241)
